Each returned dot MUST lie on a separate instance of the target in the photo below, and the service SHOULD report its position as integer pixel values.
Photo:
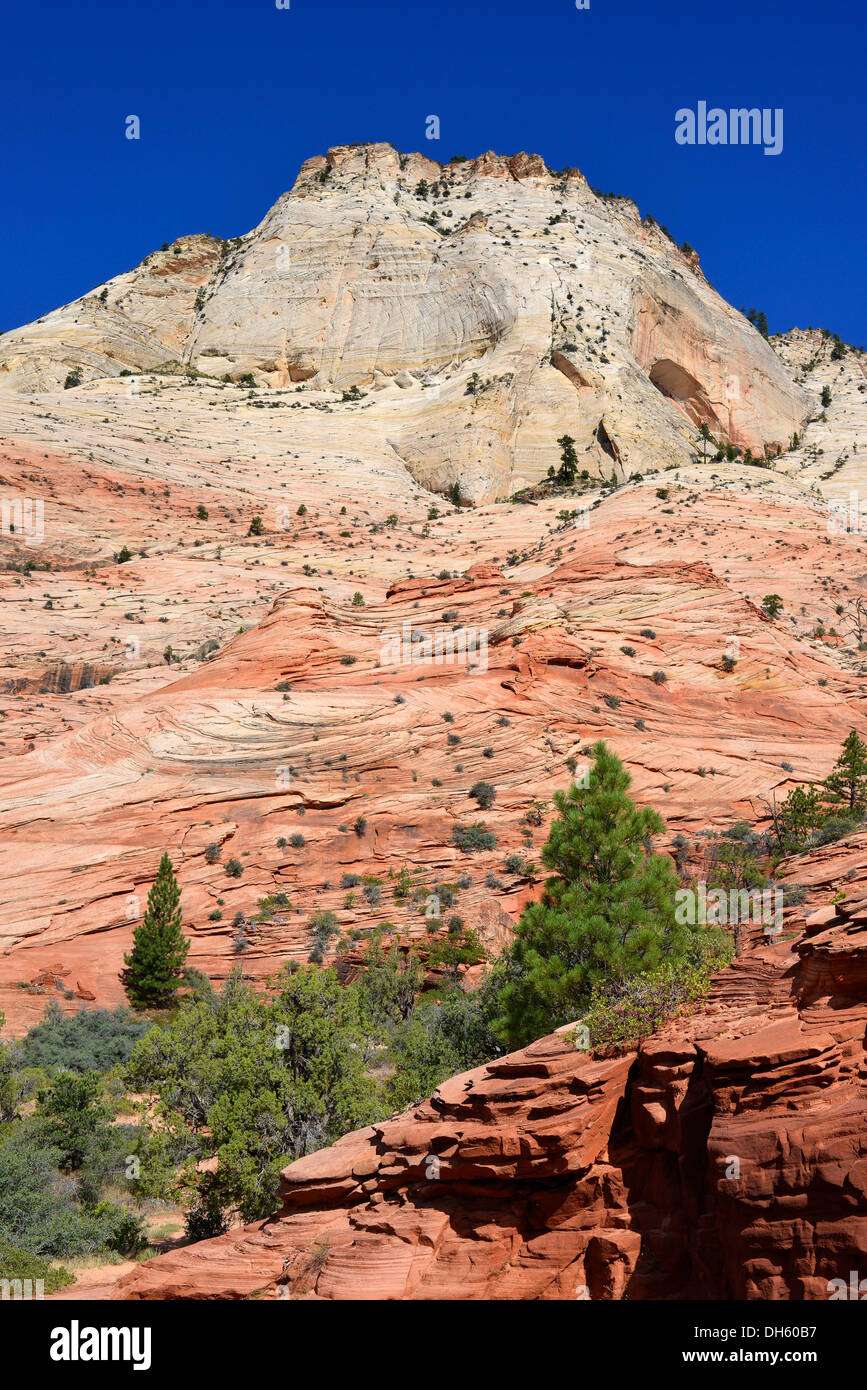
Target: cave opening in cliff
(688, 394)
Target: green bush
(41, 1210)
(484, 794)
(624, 1011)
(474, 838)
(91, 1040)
(16, 1263)
(255, 1081)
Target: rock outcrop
(225, 564)
(725, 1159)
(488, 307)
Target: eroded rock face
(727, 1158)
(393, 274)
(218, 751)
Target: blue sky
(233, 94)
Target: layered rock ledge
(725, 1159)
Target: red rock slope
(727, 1159)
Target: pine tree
(799, 815)
(155, 967)
(568, 460)
(608, 911)
(846, 785)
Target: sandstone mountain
(222, 571)
(401, 278)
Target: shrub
(91, 1040)
(794, 894)
(484, 794)
(837, 828)
(234, 868)
(323, 924)
(474, 838)
(659, 678)
(624, 1011)
(257, 526)
(16, 1263)
(212, 853)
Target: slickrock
(832, 455)
(223, 753)
(226, 558)
(485, 308)
(727, 1158)
(97, 782)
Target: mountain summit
(492, 304)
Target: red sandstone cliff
(727, 1158)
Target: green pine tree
(608, 911)
(155, 967)
(846, 785)
(568, 460)
(799, 815)
(73, 1118)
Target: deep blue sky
(234, 94)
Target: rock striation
(488, 306)
(273, 744)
